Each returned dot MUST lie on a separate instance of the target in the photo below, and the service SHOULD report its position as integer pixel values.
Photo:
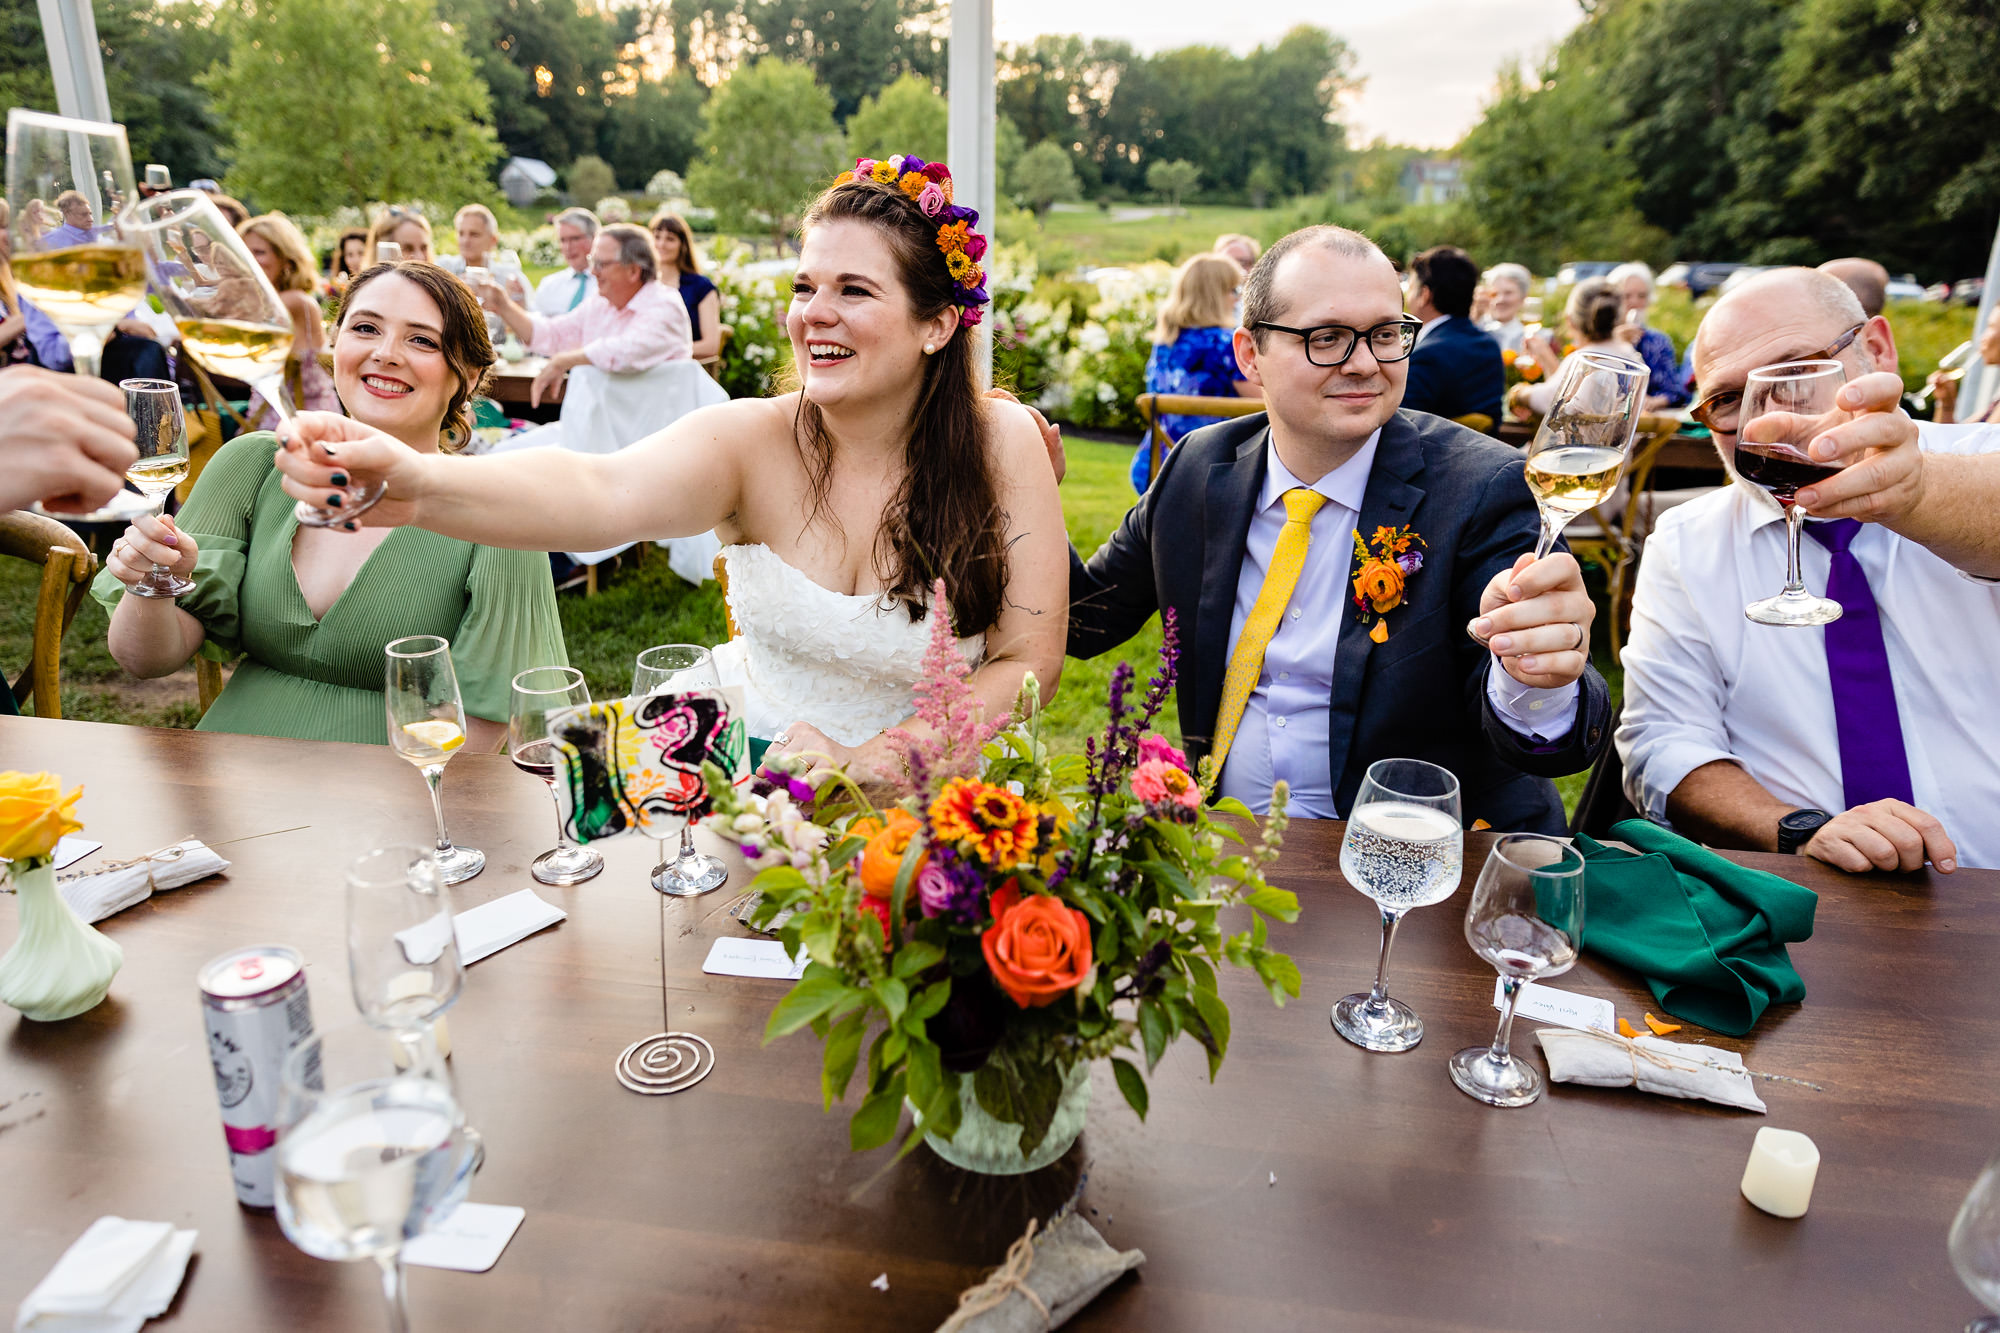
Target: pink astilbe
(946, 705)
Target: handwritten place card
(1546, 1004)
(470, 1239)
(732, 957)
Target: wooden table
(512, 381)
(1397, 1204)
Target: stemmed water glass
(427, 727)
(402, 952)
(1526, 919)
(1403, 848)
(539, 692)
(669, 668)
(156, 411)
(1975, 1246)
(372, 1149)
(1579, 450)
(1786, 407)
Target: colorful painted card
(634, 765)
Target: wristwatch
(1796, 829)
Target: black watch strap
(1796, 829)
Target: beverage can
(256, 1009)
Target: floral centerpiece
(1012, 917)
(59, 966)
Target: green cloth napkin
(1708, 935)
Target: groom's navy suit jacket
(1420, 695)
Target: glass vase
(60, 966)
(993, 1147)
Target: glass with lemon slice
(427, 726)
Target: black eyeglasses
(1718, 410)
(1330, 345)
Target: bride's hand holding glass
(325, 453)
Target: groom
(1250, 534)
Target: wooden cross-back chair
(713, 364)
(1153, 406)
(67, 566)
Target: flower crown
(928, 186)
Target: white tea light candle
(1779, 1177)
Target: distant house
(1432, 181)
(523, 178)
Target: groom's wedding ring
(1581, 636)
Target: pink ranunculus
(862, 166)
(975, 247)
(931, 201)
(1158, 782)
(1156, 747)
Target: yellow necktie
(1288, 560)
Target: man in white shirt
(1871, 743)
(567, 288)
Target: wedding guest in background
(1872, 744)
(1868, 280)
(1591, 316)
(1243, 249)
(232, 209)
(310, 608)
(282, 253)
(673, 246)
(78, 225)
(567, 288)
(28, 337)
(1496, 307)
(1944, 387)
(1664, 385)
(408, 229)
(1457, 368)
(1193, 352)
(350, 256)
(632, 322)
(478, 233)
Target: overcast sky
(1429, 64)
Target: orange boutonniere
(1382, 565)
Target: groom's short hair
(1260, 297)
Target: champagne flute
(1531, 315)
(1403, 848)
(372, 1149)
(1975, 1246)
(155, 408)
(663, 669)
(427, 727)
(1951, 366)
(539, 692)
(75, 256)
(1579, 451)
(1797, 403)
(402, 953)
(1526, 919)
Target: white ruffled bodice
(803, 653)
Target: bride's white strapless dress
(843, 662)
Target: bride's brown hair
(945, 519)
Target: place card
(469, 1240)
(1546, 1004)
(71, 848)
(490, 927)
(732, 957)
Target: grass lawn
(1126, 233)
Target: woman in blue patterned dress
(1665, 387)
(1193, 351)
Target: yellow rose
(34, 814)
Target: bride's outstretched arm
(678, 482)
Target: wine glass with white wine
(427, 727)
(161, 422)
(1579, 451)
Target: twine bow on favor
(1004, 1281)
(1650, 1056)
(149, 860)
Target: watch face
(1804, 821)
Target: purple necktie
(1873, 764)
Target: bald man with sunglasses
(1871, 743)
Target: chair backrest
(1153, 406)
(603, 413)
(722, 577)
(67, 565)
(713, 364)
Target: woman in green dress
(311, 608)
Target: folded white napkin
(491, 927)
(1607, 1060)
(95, 897)
(115, 1277)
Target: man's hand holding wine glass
(1873, 443)
(1536, 618)
(68, 440)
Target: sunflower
(987, 821)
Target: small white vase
(60, 966)
(993, 1147)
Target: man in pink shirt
(630, 323)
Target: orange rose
(882, 859)
(1381, 582)
(1530, 370)
(1037, 948)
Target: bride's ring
(781, 740)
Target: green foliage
(1043, 176)
(547, 63)
(1171, 180)
(855, 47)
(589, 179)
(401, 116)
(768, 146)
(652, 128)
(908, 116)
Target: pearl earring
(929, 348)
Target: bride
(838, 504)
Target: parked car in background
(1702, 276)
(1905, 287)
(1968, 291)
(1739, 274)
(1578, 270)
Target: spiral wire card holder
(667, 1061)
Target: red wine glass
(1785, 408)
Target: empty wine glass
(538, 692)
(161, 422)
(1786, 408)
(1579, 450)
(665, 669)
(372, 1149)
(1975, 1246)
(402, 953)
(427, 727)
(1403, 847)
(1526, 919)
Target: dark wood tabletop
(511, 387)
(1313, 1186)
